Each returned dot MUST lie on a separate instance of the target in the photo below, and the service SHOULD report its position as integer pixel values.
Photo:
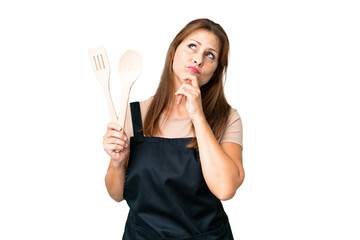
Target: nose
(198, 61)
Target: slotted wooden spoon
(101, 67)
(130, 67)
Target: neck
(179, 110)
(176, 110)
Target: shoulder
(234, 131)
(233, 117)
(144, 105)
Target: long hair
(215, 106)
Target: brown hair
(215, 106)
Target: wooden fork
(101, 67)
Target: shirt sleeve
(234, 131)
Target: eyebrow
(200, 44)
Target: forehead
(205, 37)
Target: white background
(293, 77)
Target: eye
(210, 55)
(192, 46)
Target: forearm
(114, 181)
(220, 172)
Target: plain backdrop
(293, 77)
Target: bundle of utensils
(130, 66)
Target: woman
(185, 151)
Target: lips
(194, 70)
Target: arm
(221, 164)
(115, 177)
(114, 181)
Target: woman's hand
(116, 139)
(191, 91)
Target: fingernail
(125, 138)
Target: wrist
(201, 119)
(118, 165)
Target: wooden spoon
(130, 66)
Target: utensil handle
(110, 104)
(123, 106)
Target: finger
(191, 80)
(180, 97)
(116, 134)
(189, 87)
(186, 91)
(115, 141)
(112, 147)
(114, 126)
(195, 82)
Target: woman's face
(197, 55)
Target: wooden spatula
(101, 67)
(130, 67)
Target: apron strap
(136, 119)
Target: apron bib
(167, 193)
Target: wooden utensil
(130, 66)
(101, 67)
